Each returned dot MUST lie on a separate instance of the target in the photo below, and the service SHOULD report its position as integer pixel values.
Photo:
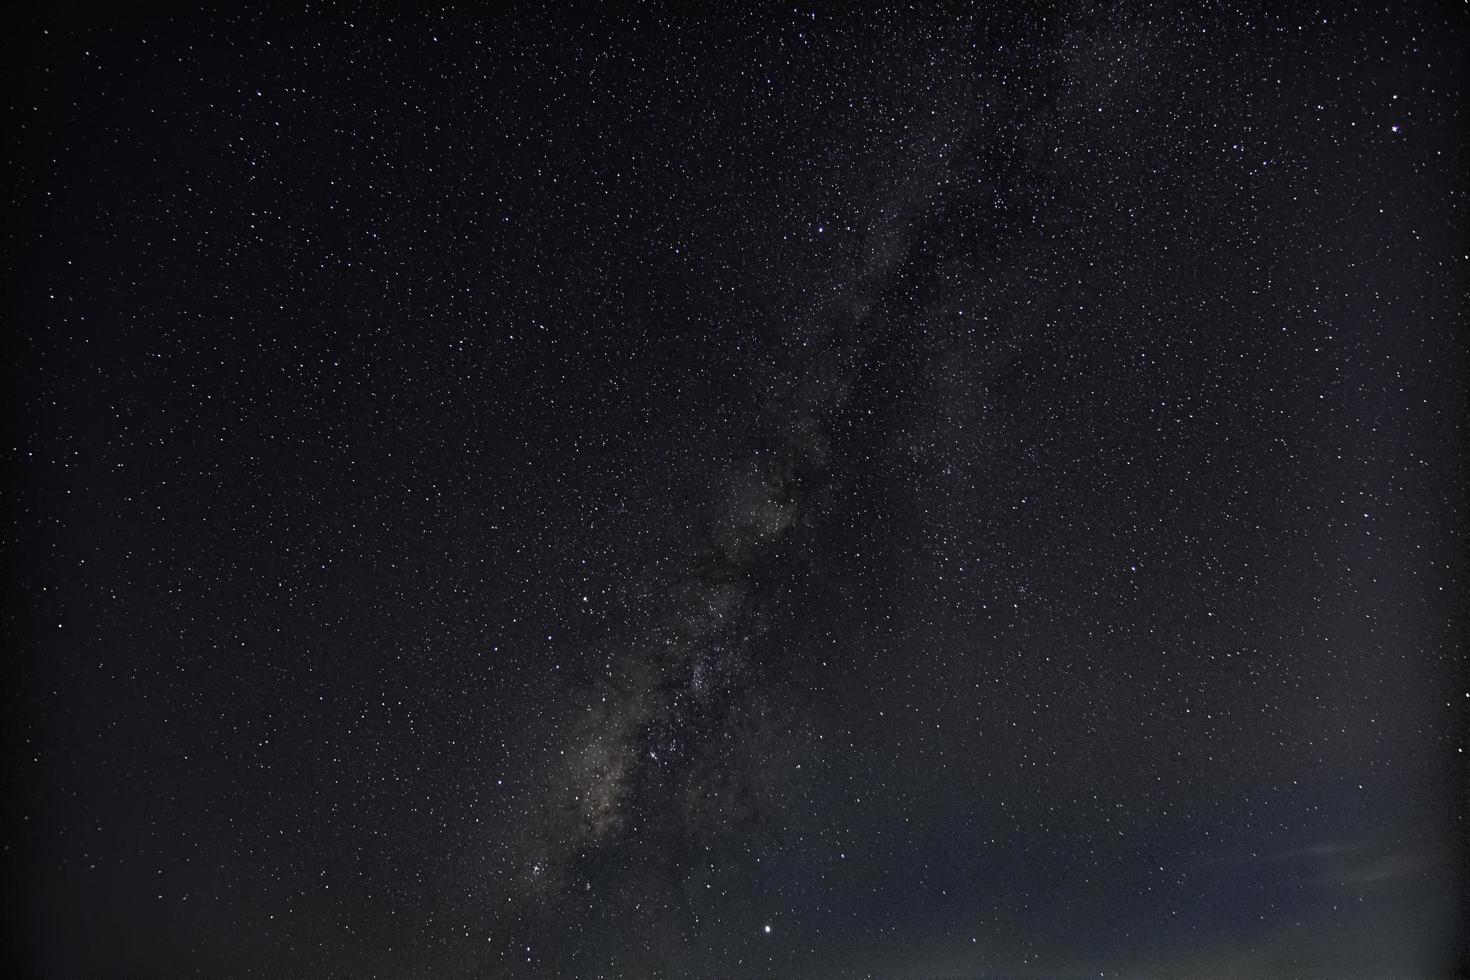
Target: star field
(773, 492)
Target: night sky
(771, 493)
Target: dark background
(979, 494)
